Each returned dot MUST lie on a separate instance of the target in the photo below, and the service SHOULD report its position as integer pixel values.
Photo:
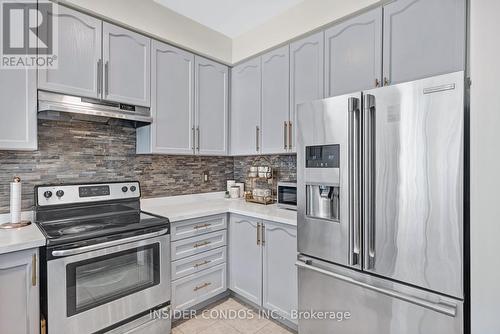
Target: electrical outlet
(205, 176)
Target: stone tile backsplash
(80, 151)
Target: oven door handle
(85, 249)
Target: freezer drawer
(375, 305)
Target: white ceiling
(229, 17)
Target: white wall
(306, 16)
(485, 166)
(149, 17)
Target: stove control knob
(133, 188)
(59, 193)
(47, 194)
(124, 189)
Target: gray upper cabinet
(127, 68)
(19, 288)
(353, 54)
(79, 56)
(18, 114)
(306, 75)
(211, 107)
(275, 100)
(172, 103)
(423, 38)
(245, 108)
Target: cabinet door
(211, 102)
(245, 258)
(353, 54)
(423, 38)
(245, 110)
(280, 289)
(18, 114)
(172, 97)
(275, 100)
(126, 57)
(79, 56)
(19, 291)
(306, 75)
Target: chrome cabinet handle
(258, 234)
(257, 130)
(84, 249)
(33, 270)
(290, 145)
(263, 234)
(99, 77)
(198, 138)
(284, 135)
(194, 138)
(369, 177)
(447, 308)
(106, 78)
(201, 244)
(204, 285)
(354, 178)
(196, 227)
(201, 264)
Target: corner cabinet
(18, 114)
(353, 54)
(423, 38)
(246, 108)
(172, 103)
(275, 101)
(262, 263)
(211, 107)
(306, 75)
(127, 68)
(19, 291)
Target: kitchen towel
(15, 200)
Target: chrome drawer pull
(201, 264)
(196, 227)
(201, 244)
(204, 285)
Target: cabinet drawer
(195, 245)
(196, 288)
(194, 227)
(197, 263)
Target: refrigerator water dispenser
(323, 202)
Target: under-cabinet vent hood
(64, 107)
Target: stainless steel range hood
(53, 105)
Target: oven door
(97, 289)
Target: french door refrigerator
(380, 178)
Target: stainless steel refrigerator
(380, 188)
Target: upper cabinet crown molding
(423, 38)
(353, 54)
(127, 65)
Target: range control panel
(82, 193)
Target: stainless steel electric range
(105, 267)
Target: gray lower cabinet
(79, 56)
(199, 256)
(306, 75)
(19, 291)
(245, 108)
(211, 107)
(423, 38)
(18, 114)
(353, 54)
(275, 101)
(172, 103)
(127, 65)
(262, 268)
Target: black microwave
(287, 195)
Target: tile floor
(214, 323)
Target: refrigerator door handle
(448, 308)
(354, 177)
(369, 178)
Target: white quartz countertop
(12, 240)
(184, 207)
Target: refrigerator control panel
(323, 156)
